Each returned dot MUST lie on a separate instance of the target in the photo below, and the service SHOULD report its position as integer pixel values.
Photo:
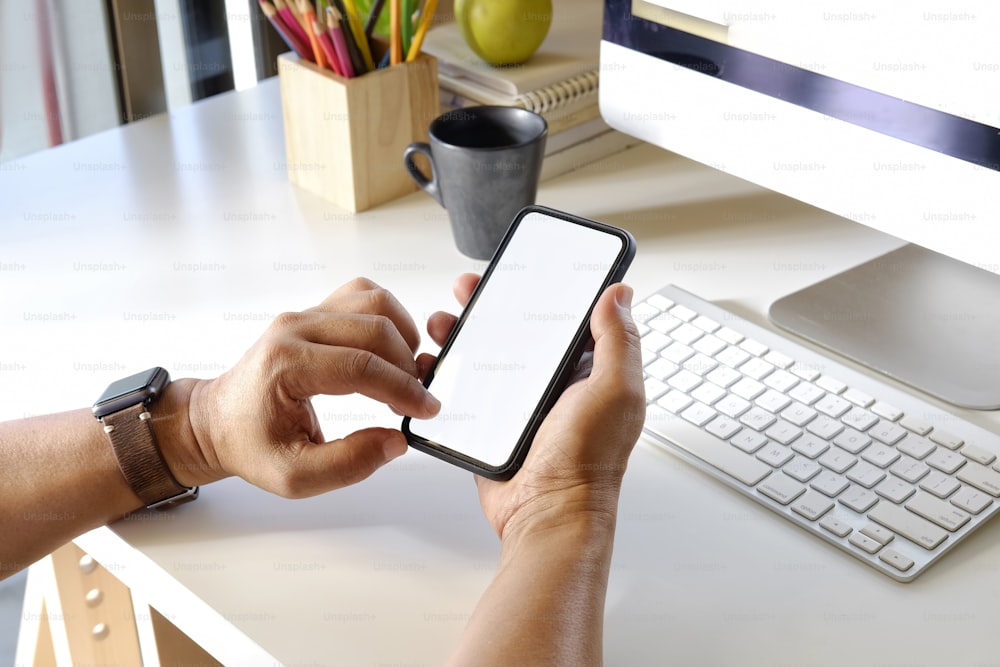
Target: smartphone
(519, 339)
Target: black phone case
(566, 368)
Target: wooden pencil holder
(344, 138)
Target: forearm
(545, 606)
(59, 477)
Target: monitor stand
(924, 319)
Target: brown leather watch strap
(131, 433)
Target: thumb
(617, 355)
(339, 463)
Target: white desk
(172, 241)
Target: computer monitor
(882, 112)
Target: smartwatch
(123, 409)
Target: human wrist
(178, 423)
(587, 512)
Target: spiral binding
(556, 95)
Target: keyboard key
(748, 389)
(675, 401)
(778, 359)
(660, 302)
(699, 414)
(944, 460)
(723, 427)
(937, 511)
(859, 398)
(664, 323)
(886, 411)
(783, 432)
(895, 559)
(829, 484)
(700, 364)
(709, 345)
(880, 534)
(865, 543)
(918, 426)
(835, 526)
(859, 419)
(858, 499)
(677, 353)
(865, 474)
(982, 478)
(642, 312)
(939, 484)
(708, 393)
(806, 393)
(684, 380)
(946, 439)
(775, 455)
(895, 490)
(781, 380)
(799, 414)
(773, 401)
(810, 446)
(837, 460)
(661, 369)
(757, 418)
(730, 336)
(716, 453)
(756, 368)
(886, 432)
(732, 357)
(781, 488)
(812, 505)
(654, 341)
(748, 440)
(733, 406)
(908, 524)
(851, 440)
(832, 405)
(706, 324)
(909, 470)
(916, 447)
(807, 373)
(753, 347)
(880, 455)
(686, 333)
(978, 454)
(724, 376)
(801, 468)
(683, 313)
(824, 427)
(970, 500)
(832, 385)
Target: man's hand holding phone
(580, 452)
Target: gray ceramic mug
(485, 164)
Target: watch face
(130, 391)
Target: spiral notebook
(559, 79)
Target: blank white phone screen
(516, 334)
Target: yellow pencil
(358, 30)
(426, 17)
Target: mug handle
(429, 185)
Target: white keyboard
(885, 476)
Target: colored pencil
(309, 17)
(395, 32)
(426, 18)
(358, 31)
(339, 45)
(291, 21)
(294, 43)
(331, 53)
(373, 15)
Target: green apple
(504, 32)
